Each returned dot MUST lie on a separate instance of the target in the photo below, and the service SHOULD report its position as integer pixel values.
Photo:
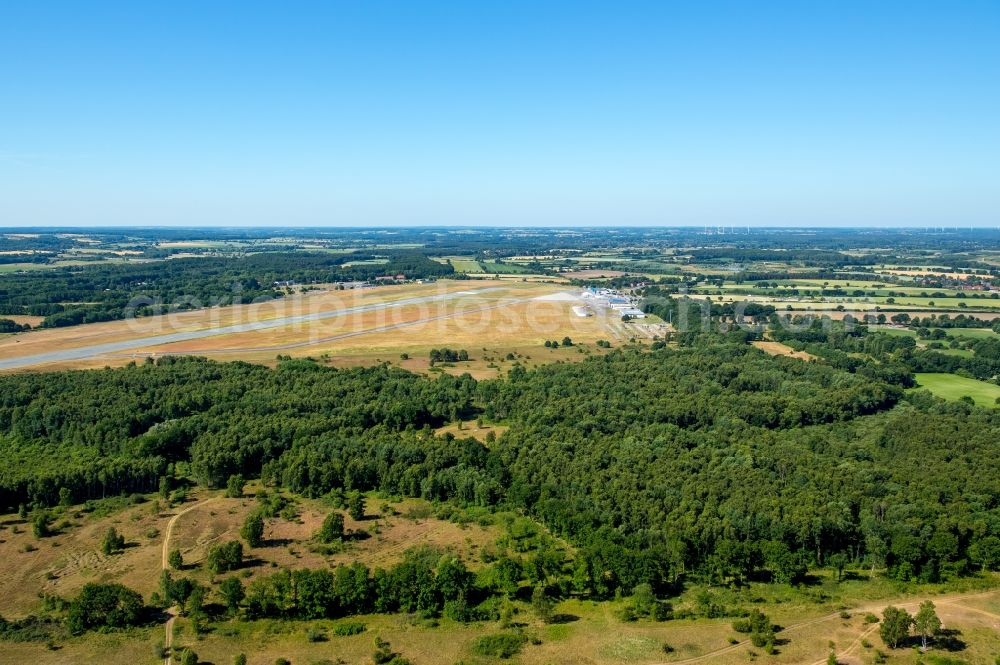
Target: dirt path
(853, 646)
(173, 610)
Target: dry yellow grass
(470, 428)
(62, 563)
(509, 317)
(23, 318)
(313, 302)
(779, 349)
(487, 313)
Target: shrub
(225, 556)
(348, 628)
(332, 529)
(112, 541)
(104, 606)
(499, 645)
(234, 487)
(253, 529)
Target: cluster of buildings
(602, 298)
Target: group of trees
(11, 326)
(447, 355)
(712, 460)
(104, 606)
(94, 434)
(425, 581)
(897, 623)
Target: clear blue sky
(374, 112)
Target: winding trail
(172, 611)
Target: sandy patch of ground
(779, 349)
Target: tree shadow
(563, 617)
(948, 640)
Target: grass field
(952, 386)
(504, 268)
(465, 265)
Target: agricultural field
(953, 387)
(465, 265)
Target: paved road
(83, 352)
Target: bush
(253, 529)
(348, 628)
(332, 529)
(234, 487)
(499, 645)
(112, 541)
(225, 556)
(104, 606)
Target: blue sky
(372, 112)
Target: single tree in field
(175, 559)
(926, 623)
(895, 626)
(234, 487)
(232, 594)
(839, 562)
(332, 529)
(40, 525)
(356, 505)
(253, 530)
(541, 604)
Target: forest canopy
(712, 459)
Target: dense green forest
(712, 460)
(74, 295)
